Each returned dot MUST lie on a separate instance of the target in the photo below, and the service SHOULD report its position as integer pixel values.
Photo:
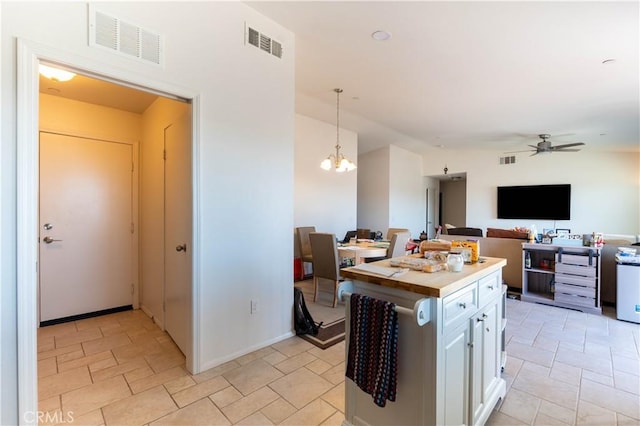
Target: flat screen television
(549, 202)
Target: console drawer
(587, 302)
(574, 290)
(460, 305)
(585, 271)
(576, 259)
(576, 280)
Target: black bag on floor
(304, 323)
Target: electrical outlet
(254, 306)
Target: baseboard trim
(87, 315)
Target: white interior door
(431, 208)
(178, 247)
(85, 225)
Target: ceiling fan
(544, 146)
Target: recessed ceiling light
(608, 61)
(381, 35)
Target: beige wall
(454, 203)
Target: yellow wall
(88, 120)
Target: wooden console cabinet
(565, 276)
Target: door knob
(182, 247)
(49, 240)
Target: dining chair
(306, 255)
(363, 233)
(326, 262)
(349, 235)
(392, 231)
(398, 244)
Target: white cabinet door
(456, 375)
(485, 362)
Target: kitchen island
(449, 368)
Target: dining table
(362, 250)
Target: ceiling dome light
(381, 35)
(55, 74)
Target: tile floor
(564, 367)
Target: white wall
(324, 199)
(373, 190)
(391, 191)
(244, 139)
(605, 187)
(407, 197)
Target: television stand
(564, 276)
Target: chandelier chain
(338, 160)
(338, 91)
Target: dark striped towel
(372, 363)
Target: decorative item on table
(423, 236)
(474, 245)
(546, 264)
(410, 246)
(598, 239)
(547, 236)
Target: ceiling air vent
(508, 160)
(263, 42)
(125, 38)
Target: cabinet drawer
(460, 305)
(587, 302)
(585, 271)
(489, 288)
(576, 259)
(576, 280)
(575, 290)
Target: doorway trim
(29, 55)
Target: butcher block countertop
(432, 284)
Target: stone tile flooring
(563, 368)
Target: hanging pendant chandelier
(338, 160)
